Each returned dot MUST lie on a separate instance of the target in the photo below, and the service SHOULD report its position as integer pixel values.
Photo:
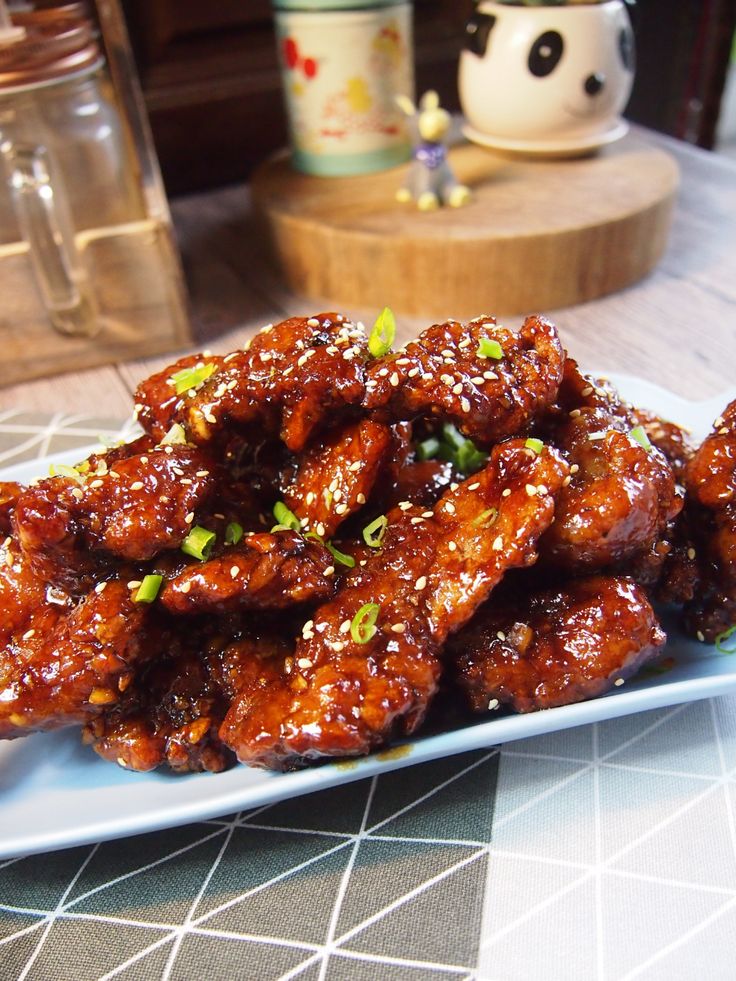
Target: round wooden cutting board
(538, 234)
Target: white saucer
(574, 147)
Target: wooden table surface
(677, 327)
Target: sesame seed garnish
(427, 514)
(405, 505)
(691, 553)
(229, 357)
(337, 646)
(77, 494)
(360, 498)
(321, 627)
(313, 322)
(210, 417)
(618, 682)
(304, 663)
(185, 587)
(574, 468)
(506, 492)
(477, 379)
(421, 583)
(449, 506)
(189, 518)
(493, 704)
(341, 509)
(542, 489)
(574, 413)
(701, 636)
(447, 353)
(498, 544)
(587, 391)
(185, 481)
(427, 376)
(454, 485)
(28, 634)
(566, 481)
(134, 584)
(355, 466)
(501, 635)
(413, 372)
(464, 404)
(723, 431)
(310, 497)
(398, 628)
(490, 376)
(100, 587)
(96, 483)
(448, 380)
(452, 546)
(320, 529)
(596, 436)
(329, 571)
(417, 521)
(337, 494)
(383, 373)
(531, 490)
(234, 570)
(345, 626)
(394, 379)
(457, 389)
(474, 486)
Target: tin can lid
(58, 42)
(317, 6)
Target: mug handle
(45, 222)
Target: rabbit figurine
(430, 181)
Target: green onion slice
(198, 543)
(174, 436)
(382, 336)
(363, 624)
(148, 589)
(428, 448)
(722, 638)
(469, 458)
(192, 377)
(535, 445)
(342, 557)
(233, 533)
(62, 470)
(638, 433)
(374, 532)
(486, 518)
(452, 436)
(286, 519)
(488, 348)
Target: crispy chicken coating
(334, 477)
(172, 711)
(292, 380)
(9, 494)
(621, 496)
(71, 528)
(69, 663)
(265, 571)
(702, 572)
(488, 396)
(156, 400)
(670, 439)
(547, 648)
(367, 664)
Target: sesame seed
(329, 571)
(449, 506)
(723, 431)
(417, 521)
(345, 626)
(355, 466)
(383, 373)
(337, 645)
(189, 518)
(341, 509)
(28, 634)
(531, 490)
(77, 494)
(234, 570)
(474, 486)
(454, 485)
(541, 489)
(477, 379)
(498, 544)
(427, 514)
(566, 481)
(501, 635)
(405, 505)
(464, 404)
(403, 361)
(427, 376)
(134, 584)
(394, 379)
(490, 376)
(452, 546)
(506, 492)
(100, 587)
(337, 494)
(398, 628)
(421, 583)
(618, 682)
(210, 417)
(457, 389)
(413, 372)
(313, 322)
(596, 436)
(310, 497)
(448, 380)
(360, 498)
(447, 353)
(321, 627)
(701, 636)
(493, 704)
(574, 468)
(96, 483)
(587, 391)
(185, 587)
(691, 553)
(304, 663)
(320, 529)
(574, 413)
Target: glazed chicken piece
(487, 380)
(334, 477)
(265, 571)
(9, 494)
(172, 711)
(71, 528)
(547, 648)
(702, 571)
(292, 380)
(367, 664)
(157, 402)
(669, 438)
(622, 494)
(61, 664)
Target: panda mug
(546, 79)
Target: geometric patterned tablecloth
(603, 852)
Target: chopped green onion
(82, 467)
(535, 445)
(488, 348)
(174, 436)
(286, 518)
(487, 518)
(638, 433)
(233, 533)
(314, 537)
(469, 458)
(327, 497)
(192, 377)
(374, 532)
(363, 624)
(198, 543)
(428, 448)
(382, 336)
(62, 470)
(148, 589)
(342, 557)
(722, 638)
(453, 437)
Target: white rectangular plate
(55, 793)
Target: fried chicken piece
(69, 663)
(423, 482)
(265, 571)
(172, 711)
(335, 476)
(547, 648)
(156, 400)
(350, 687)
(621, 496)
(702, 573)
(9, 494)
(670, 439)
(292, 380)
(22, 593)
(445, 373)
(71, 529)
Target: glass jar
(343, 62)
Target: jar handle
(45, 221)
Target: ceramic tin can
(547, 77)
(343, 62)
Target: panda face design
(535, 74)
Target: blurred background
(212, 89)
